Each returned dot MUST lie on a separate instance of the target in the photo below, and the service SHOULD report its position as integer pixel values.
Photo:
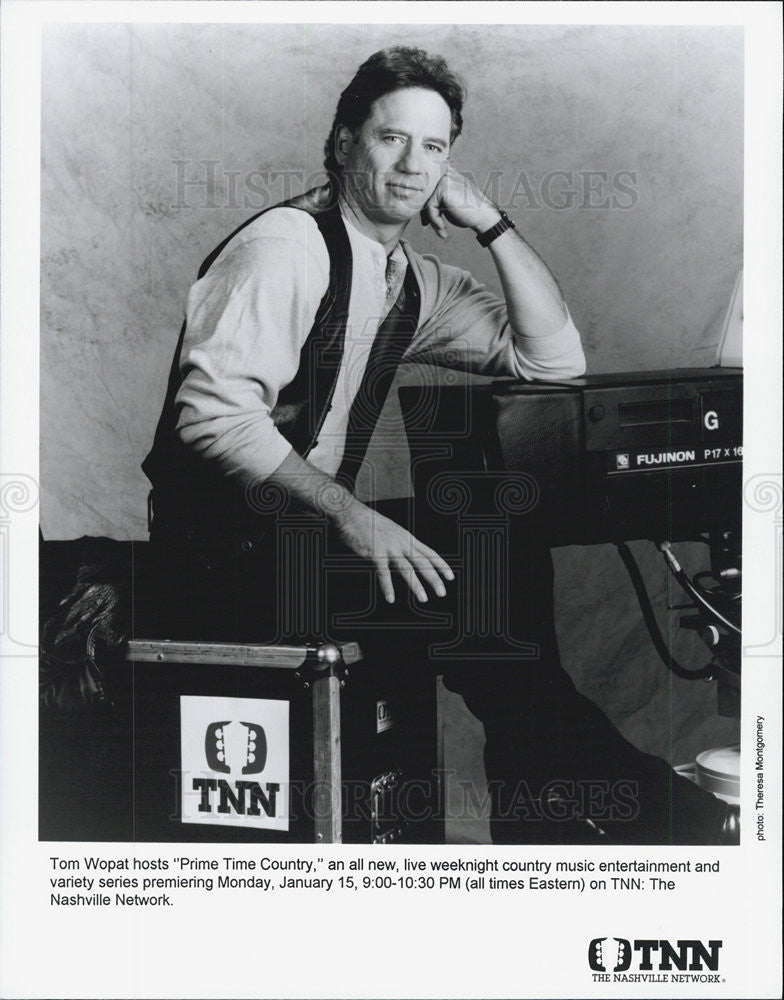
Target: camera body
(604, 457)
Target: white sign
(235, 761)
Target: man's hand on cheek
(456, 199)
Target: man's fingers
(385, 582)
(406, 570)
(438, 561)
(425, 569)
(437, 222)
(418, 564)
(431, 215)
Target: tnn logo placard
(235, 761)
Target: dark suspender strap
(393, 337)
(303, 404)
(337, 294)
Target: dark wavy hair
(392, 69)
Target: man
(292, 335)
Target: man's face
(393, 163)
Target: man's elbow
(574, 369)
(556, 371)
(196, 435)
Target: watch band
(486, 238)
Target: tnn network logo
(231, 747)
(615, 955)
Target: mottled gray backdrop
(618, 150)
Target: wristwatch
(486, 238)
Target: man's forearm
(313, 489)
(533, 300)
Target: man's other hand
(393, 549)
(458, 200)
